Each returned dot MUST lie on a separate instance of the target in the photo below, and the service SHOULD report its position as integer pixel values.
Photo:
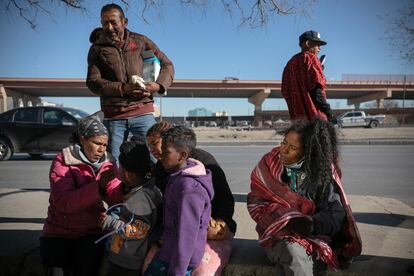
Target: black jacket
(329, 215)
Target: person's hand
(105, 178)
(152, 87)
(217, 229)
(102, 219)
(333, 120)
(140, 93)
(302, 226)
(134, 90)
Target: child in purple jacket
(187, 206)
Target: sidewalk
(22, 213)
(386, 226)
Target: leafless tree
(254, 13)
(401, 32)
(29, 9)
(388, 104)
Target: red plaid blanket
(271, 203)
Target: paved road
(380, 170)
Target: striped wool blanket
(271, 204)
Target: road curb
(277, 142)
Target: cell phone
(322, 59)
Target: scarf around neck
(80, 155)
(295, 174)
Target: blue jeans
(119, 130)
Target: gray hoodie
(130, 246)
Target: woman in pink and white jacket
(68, 244)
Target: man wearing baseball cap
(303, 81)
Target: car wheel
(373, 124)
(35, 155)
(6, 151)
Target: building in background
(46, 103)
(199, 112)
(220, 114)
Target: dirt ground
(220, 134)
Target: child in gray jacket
(133, 224)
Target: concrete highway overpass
(21, 91)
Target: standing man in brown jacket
(113, 59)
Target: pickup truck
(359, 119)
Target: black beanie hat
(135, 157)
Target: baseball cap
(313, 36)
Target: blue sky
(208, 45)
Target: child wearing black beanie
(138, 215)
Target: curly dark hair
(320, 148)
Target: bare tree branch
(258, 15)
(261, 11)
(29, 9)
(400, 33)
(22, 12)
(77, 4)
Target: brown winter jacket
(110, 66)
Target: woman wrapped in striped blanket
(303, 217)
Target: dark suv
(36, 130)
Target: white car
(359, 119)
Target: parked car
(267, 123)
(359, 119)
(212, 124)
(36, 130)
(242, 123)
(280, 124)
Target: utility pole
(160, 108)
(404, 90)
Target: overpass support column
(3, 99)
(376, 96)
(380, 103)
(21, 99)
(257, 99)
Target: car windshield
(78, 114)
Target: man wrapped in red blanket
(303, 217)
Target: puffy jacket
(75, 204)
(187, 211)
(222, 205)
(110, 66)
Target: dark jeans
(77, 257)
(119, 130)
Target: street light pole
(404, 89)
(160, 108)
